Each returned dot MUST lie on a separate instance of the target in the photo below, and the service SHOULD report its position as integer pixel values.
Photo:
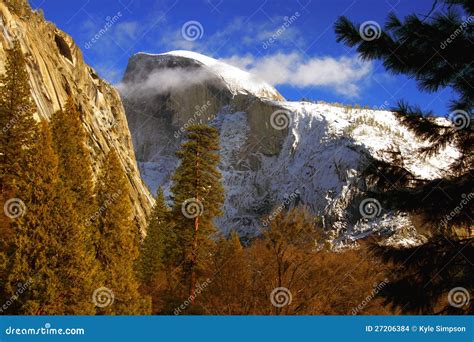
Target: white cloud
(345, 75)
(165, 80)
(126, 32)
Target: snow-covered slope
(274, 153)
(320, 160)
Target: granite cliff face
(57, 69)
(274, 153)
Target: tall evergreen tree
(198, 196)
(75, 164)
(18, 130)
(118, 244)
(158, 232)
(16, 120)
(423, 47)
(50, 247)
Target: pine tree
(16, 145)
(75, 164)
(118, 244)
(16, 119)
(422, 47)
(198, 196)
(158, 232)
(50, 247)
(418, 47)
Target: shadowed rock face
(57, 69)
(274, 153)
(157, 117)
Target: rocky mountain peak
(275, 153)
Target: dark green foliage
(51, 248)
(156, 240)
(118, 244)
(16, 119)
(75, 164)
(198, 196)
(423, 47)
(418, 47)
(18, 129)
(424, 275)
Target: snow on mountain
(235, 79)
(274, 152)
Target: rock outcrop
(274, 153)
(57, 69)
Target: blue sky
(302, 60)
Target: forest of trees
(51, 238)
(70, 245)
